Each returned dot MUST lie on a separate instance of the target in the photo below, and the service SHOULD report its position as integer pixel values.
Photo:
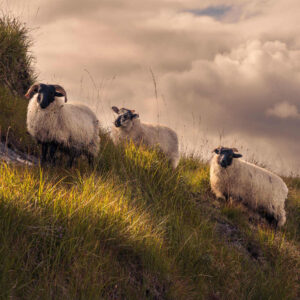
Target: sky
(219, 72)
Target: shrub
(16, 71)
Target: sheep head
(46, 93)
(125, 117)
(226, 155)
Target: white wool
(150, 135)
(255, 186)
(71, 125)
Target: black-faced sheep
(129, 127)
(254, 186)
(72, 128)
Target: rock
(10, 156)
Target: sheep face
(226, 155)
(46, 93)
(125, 117)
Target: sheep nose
(223, 164)
(117, 123)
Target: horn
(215, 150)
(32, 90)
(115, 109)
(60, 89)
(235, 150)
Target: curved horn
(115, 109)
(61, 90)
(32, 90)
(235, 150)
(216, 150)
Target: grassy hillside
(132, 228)
(16, 76)
(16, 72)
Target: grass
(16, 72)
(16, 75)
(132, 228)
(13, 122)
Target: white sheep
(129, 127)
(72, 128)
(234, 178)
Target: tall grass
(13, 131)
(16, 75)
(132, 227)
(16, 71)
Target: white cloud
(231, 72)
(284, 110)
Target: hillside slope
(132, 228)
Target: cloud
(284, 110)
(217, 12)
(223, 68)
(233, 92)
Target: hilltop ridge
(132, 227)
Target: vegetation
(13, 130)
(15, 59)
(132, 228)
(16, 75)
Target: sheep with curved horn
(72, 128)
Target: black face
(125, 115)
(226, 155)
(46, 94)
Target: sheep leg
(90, 160)
(220, 196)
(71, 160)
(53, 148)
(44, 152)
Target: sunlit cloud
(284, 110)
(227, 71)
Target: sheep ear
(135, 116)
(217, 150)
(60, 91)
(235, 150)
(115, 109)
(32, 90)
(236, 155)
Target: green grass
(16, 72)
(16, 75)
(131, 228)
(13, 122)
(135, 229)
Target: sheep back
(150, 135)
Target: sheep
(254, 186)
(128, 126)
(71, 128)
